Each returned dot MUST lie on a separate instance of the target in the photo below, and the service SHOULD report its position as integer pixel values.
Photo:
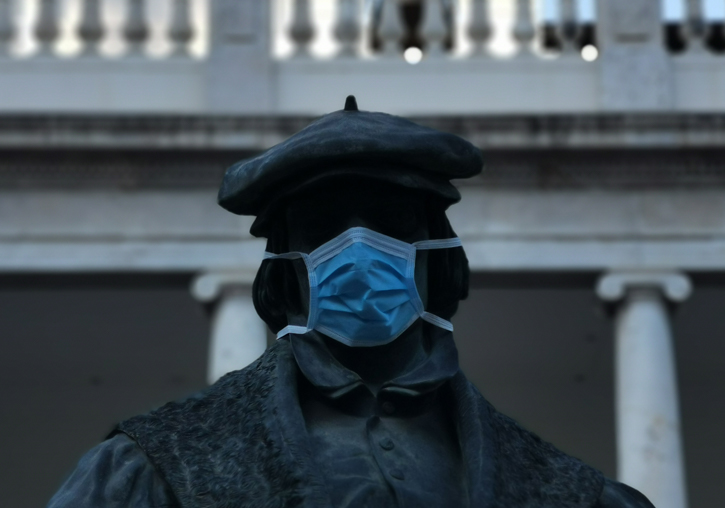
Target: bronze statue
(361, 401)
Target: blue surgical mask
(362, 287)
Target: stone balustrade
(303, 56)
(435, 28)
(37, 28)
(358, 28)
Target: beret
(356, 143)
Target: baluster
(391, 29)
(695, 27)
(181, 31)
(136, 30)
(91, 28)
(347, 30)
(524, 28)
(302, 30)
(480, 29)
(434, 28)
(568, 27)
(46, 29)
(7, 29)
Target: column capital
(209, 286)
(674, 285)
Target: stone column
(238, 335)
(649, 443)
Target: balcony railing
(303, 56)
(110, 28)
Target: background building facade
(596, 234)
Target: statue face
(322, 212)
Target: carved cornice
(539, 151)
(611, 130)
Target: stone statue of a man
(360, 403)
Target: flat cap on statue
(352, 143)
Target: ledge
(541, 151)
(167, 132)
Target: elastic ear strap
(446, 243)
(286, 255)
(297, 255)
(312, 279)
(438, 321)
(297, 330)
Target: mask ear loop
(445, 243)
(312, 281)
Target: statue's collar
(334, 380)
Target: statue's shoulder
(228, 427)
(619, 495)
(242, 392)
(529, 471)
(543, 459)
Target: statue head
(353, 169)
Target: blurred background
(596, 234)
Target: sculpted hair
(276, 289)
